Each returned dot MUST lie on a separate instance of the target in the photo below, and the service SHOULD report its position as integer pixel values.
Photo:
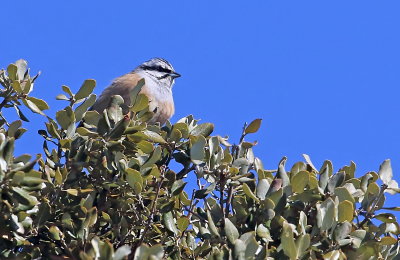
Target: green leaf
(20, 114)
(80, 111)
(203, 129)
(62, 97)
(32, 106)
(67, 90)
(239, 249)
(308, 160)
(386, 217)
(17, 87)
(287, 241)
(300, 181)
(55, 233)
(182, 128)
(73, 192)
(263, 232)
(202, 193)
(336, 180)
(135, 91)
(142, 101)
(302, 244)
(197, 153)
(151, 253)
(43, 214)
(253, 126)
(177, 187)
(14, 126)
(251, 244)
(119, 128)
(86, 89)
(231, 231)
(342, 231)
(153, 136)
(262, 189)
(145, 146)
(65, 117)
(169, 222)
(249, 192)
(344, 194)
(122, 252)
(134, 179)
(86, 132)
(24, 197)
(281, 174)
(326, 214)
(211, 225)
(386, 172)
(155, 157)
(183, 222)
(345, 211)
(91, 117)
(12, 71)
(388, 240)
(22, 67)
(41, 104)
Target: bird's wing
(120, 86)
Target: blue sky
(323, 75)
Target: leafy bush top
(106, 190)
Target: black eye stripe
(157, 68)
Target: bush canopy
(116, 188)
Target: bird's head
(159, 69)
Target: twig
(152, 212)
(371, 210)
(221, 193)
(229, 200)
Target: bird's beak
(175, 75)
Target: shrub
(107, 190)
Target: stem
(221, 193)
(371, 210)
(152, 212)
(229, 200)
(4, 102)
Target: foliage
(107, 189)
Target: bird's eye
(162, 69)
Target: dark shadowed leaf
(178, 187)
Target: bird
(159, 77)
